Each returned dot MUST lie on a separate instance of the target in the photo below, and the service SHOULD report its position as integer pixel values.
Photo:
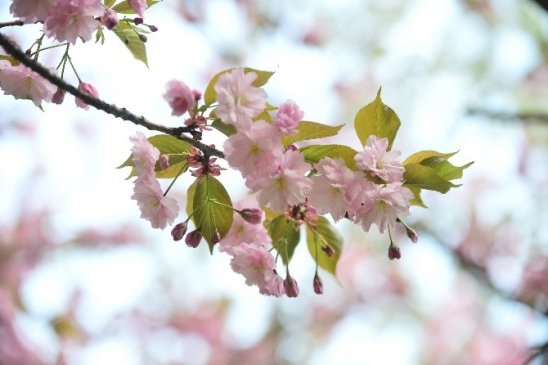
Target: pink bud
(394, 252)
(291, 287)
(318, 285)
(193, 238)
(153, 28)
(88, 89)
(143, 38)
(58, 97)
(329, 251)
(138, 21)
(164, 162)
(412, 234)
(110, 19)
(216, 237)
(179, 231)
(252, 215)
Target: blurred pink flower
(180, 97)
(88, 89)
(239, 101)
(139, 6)
(31, 11)
(375, 159)
(72, 19)
(288, 118)
(23, 83)
(144, 155)
(158, 209)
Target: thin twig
(17, 23)
(122, 113)
(523, 116)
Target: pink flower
(257, 265)
(144, 155)
(388, 203)
(288, 118)
(158, 209)
(335, 188)
(378, 162)
(139, 6)
(180, 97)
(31, 11)
(285, 185)
(253, 149)
(243, 232)
(239, 101)
(89, 89)
(71, 19)
(23, 83)
(110, 19)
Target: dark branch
(122, 113)
(18, 23)
(542, 3)
(524, 117)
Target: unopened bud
(58, 97)
(164, 162)
(216, 237)
(178, 232)
(252, 215)
(138, 21)
(291, 287)
(143, 38)
(193, 238)
(110, 19)
(329, 251)
(394, 252)
(153, 28)
(318, 285)
(412, 234)
(291, 147)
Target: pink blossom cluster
(23, 83)
(155, 207)
(247, 242)
(279, 175)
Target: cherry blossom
(375, 159)
(31, 11)
(158, 209)
(144, 155)
(288, 117)
(89, 89)
(180, 98)
(139, 6)
(244, 232)
(23, 83)
(239, 101)
(71, 19)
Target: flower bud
(164, 162)
(143, 38)
(394, 252)
(318, 285)
(110, 19)
(252, 215)
(179, 231)
(412, 234)
(153, 28)
(193, 238)
(88, 89)
(329, 251)
(138, 21)
(291, 287)
(216, 237)
(58, 97)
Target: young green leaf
(424, 177)
(129, 36)
(212, 208)
(125, 8)
(444, 168)
(311, 130)
(378, 119)
(225, 129)
(109, 3)
(315, 153)
(417, 200)
(324, 234)
(190, 198)
(210, 95)
(420, 156)
(285, 237)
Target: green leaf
(178, 165)
(212, 208)
(311, 130)
(10, 59)
(285, 237)
(210, 95)
(190, 193)
(417, 200)
(109, 3)
(125, 8)
(315, 153)
(226, 129)
(425, 177)
(128, 35)
(444, 168)
(377, 119)
(420, 156)
(324, 233)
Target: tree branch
(99, 104)
(18, 23)
(524, 117)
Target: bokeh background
(84, 281)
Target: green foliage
(212, 208)
(417, 200)
(424, 177)
(378, 119)
(311, 130)
(128, 34)
(285, 236)
(166, 144)
(226, 129)
(210, 94)
(190, 198)
(324, 233)
(108, 3)
(10, 59)
(315, 153)
(125, 8)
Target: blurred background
(84, 281)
